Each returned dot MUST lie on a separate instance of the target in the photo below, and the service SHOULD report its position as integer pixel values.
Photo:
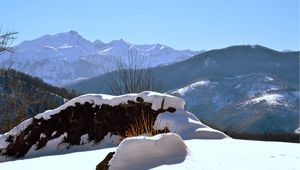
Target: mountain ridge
(199, 63)
(66, 57)
(230, 82)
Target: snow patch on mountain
(192, 86)
(271, 99)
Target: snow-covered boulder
(96, 121)
(148, 152)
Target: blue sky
(182, 24)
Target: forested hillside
(23, 96)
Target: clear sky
(182, 24)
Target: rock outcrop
(103, 165)
(76, 120)
(96, 121)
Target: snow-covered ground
(201, 155)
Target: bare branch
(131, 76)
(6, 40)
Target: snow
(49, 47)
(75, 161)
(52, 147)
(239, 154)
(54, 133)
(271, 99)
(297, 131)
(192, 86)
(14, 132)
(84, 139)
(187, 125)
(149, 152)
(269, 78)
(64, 46)
(98, 99)
(202, 154)
(57, 146)
(105, 50)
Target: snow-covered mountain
(252, 103)
(67, 57)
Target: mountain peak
(120, 41)
(98, 42)
(73, 32)
(69, 35)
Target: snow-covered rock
(94, 121)
(98, 99)
(149, 152)
(67, 57)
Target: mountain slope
(249, 104)
(232, 61)
(227, 62)
(23, 96)
(64, 58)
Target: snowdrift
(96, 121)
(149, 152)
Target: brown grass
(143, 126)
